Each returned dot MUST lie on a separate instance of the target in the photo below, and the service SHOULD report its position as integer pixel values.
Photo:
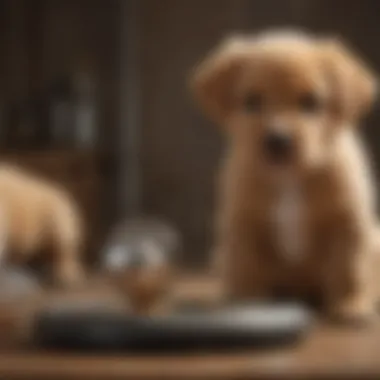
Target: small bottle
(61, 113)
(85, 112)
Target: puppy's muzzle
(278, 146)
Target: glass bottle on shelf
(85, 112)
(61, 113)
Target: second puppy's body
(36, 216)
(290, 105)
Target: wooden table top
(329, 351)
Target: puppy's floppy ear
(354, 86)
(212, 81)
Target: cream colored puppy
(35, 216)
(296, 208)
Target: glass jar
(138, 256)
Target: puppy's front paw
(356, 312)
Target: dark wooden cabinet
(43, 44)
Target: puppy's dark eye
(310, 103)
(253, 103)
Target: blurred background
(93, 95)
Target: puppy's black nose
(277, 146)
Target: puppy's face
(284, 98)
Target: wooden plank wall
(41, 40)
(180, 149)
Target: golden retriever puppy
(36, 216)
(297, 210)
